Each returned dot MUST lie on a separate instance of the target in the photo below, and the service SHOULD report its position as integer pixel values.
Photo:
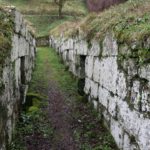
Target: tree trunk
(60, 11)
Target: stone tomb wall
(15, 74)
(117, 82)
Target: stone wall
(117, 82)
(42, 41)
(15, 73)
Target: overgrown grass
(32, 123)
(129, 21)
(47, 58)
(44, 23)
(43, 14)
(48, 7)
(89, 133)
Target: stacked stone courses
(15, 73)
(116, 84)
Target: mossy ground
(129, 21)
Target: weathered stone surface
(43, 41)
(16, 73)
(110, 47)
(126, 142)
(89, 64)
(135, 124)
(135, 94)
(82, 47)
(87, 86)
(103, 96)
(121, 85)
(109, 73)
(94, 90)
(96, 70)
(117, 132)
(144, 72)
(95, 49)
(117, 86)
(15, 47)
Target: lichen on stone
(6, 30)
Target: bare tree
(60, 4)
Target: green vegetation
(32, 123)
(59, 74)
(129, 21)
(48, 57)
(39, 7)
(89, 133)
(34, 119)
(43, 24)
(43, 14)
(6, 29)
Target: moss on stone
(3, 116)
(128, 21)
(6, 30)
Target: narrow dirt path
(65, 121)
(58, 109)
(60, 114)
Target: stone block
(94, 90)
(108, 73)
(144, 72)
(89, 64)
(87, 87)
(96, 70)
(110, 46)
(95, 49)
(117, 132)
(121, 85)
(15, 47)
(81, 47)
(103, 95)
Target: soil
(62, 122)
(75, 124)
(58, 112)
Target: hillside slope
(130, 22)
(43, 14)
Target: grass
(129, 21)
(33, 122)
(89, 133)
(6, 30)
(58, 71)
(43, 14)
(43, 24)
(48, 7)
